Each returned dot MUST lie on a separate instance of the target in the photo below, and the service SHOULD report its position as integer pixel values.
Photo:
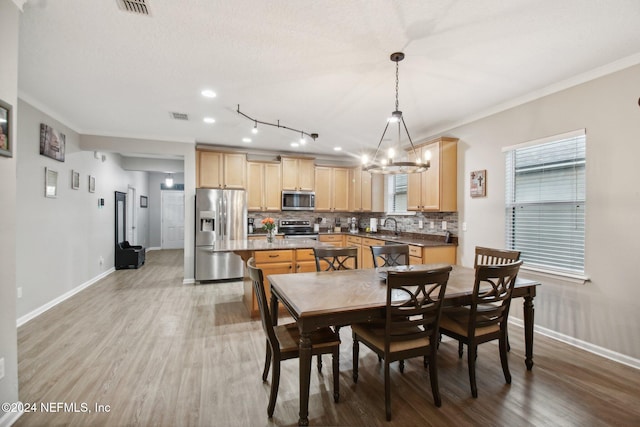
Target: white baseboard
(9, 418)
(38, 311)
(189, 281)
(155, 248)
(591, 348)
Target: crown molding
(20, 4)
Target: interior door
(172, 217)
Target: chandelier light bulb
(255, 128)
(365, 159)
(391, 153)
(427, 155)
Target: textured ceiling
(318, 66)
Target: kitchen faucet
(395, 225)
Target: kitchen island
(279, 257)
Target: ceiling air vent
(135, 6)
(179, 116)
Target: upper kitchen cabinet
(333, 194)
(297, 174)
(365, 191)
(436, 188)
(221, 170)
(263, 186)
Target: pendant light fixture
(168, 181)
(388, 164)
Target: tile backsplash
(406, 223)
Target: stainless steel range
(297, 229)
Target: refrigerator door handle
(224, 217)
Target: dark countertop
(263, 245)
(415, 239)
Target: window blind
(399, 195)
(545, 202)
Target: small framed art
(144, 202)
(92, 184)
(478, 183)
(75, 179)
(50, 183)
(6, 148)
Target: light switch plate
(420, 224)
(444, 225)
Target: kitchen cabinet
(334, 239)
(298, 174)
(367, 257)
(305, 261)
(270, 262)
(436, 188)
(221, 170)
(432, 255)
(333, 194)
(263, 186)
(365, 191)
(357, 242)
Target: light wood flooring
(161, 353)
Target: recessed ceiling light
(337, 148)
(208, 93)
(295, 144)
(209, 120)
(246, 139)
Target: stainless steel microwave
(298, 200)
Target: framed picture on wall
(50, 183)
(6, 148)
(75, 179)
(92, 184)
(144, 202)
(479, 183)
(52, 143)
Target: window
(545, 202)
(396, 200)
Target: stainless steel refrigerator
(220, 215)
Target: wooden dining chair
(410, 326)
(334, 258)
(490, 256)
(390, 255)
(486, 319)
(283, 341)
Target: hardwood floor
(161, 353)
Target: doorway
(172, 219)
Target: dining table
(345, 297)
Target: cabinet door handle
(274, 256)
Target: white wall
(9, 18)
(61, 240)
(185, 150)
(606, 311)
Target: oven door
(301, 236)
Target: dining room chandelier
(389, 165)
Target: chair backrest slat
(414, 304)
(492, 293)
(390, 255)
(490, 256)
(333, 258)
(257, 278)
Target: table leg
(305, 378)
(528, 331)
